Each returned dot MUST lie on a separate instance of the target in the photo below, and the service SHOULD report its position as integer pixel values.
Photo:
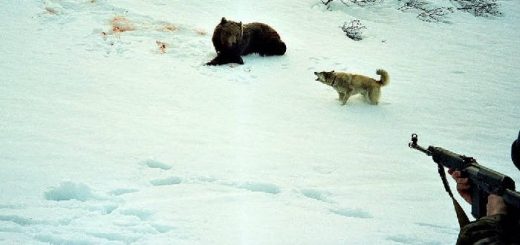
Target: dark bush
(361, 3)
(354, 30)
(479, 8)
(426, 13)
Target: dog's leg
(365, 95)
(373, 96)
(341, 95)
(347, 93)
(345, 98)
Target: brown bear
(232, 39)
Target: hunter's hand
(496, 205)
(463, 184)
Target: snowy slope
(107, 140)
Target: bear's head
(231, 32)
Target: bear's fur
(233, 39)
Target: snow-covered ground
(106, 139)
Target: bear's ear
(223, 20)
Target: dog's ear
(223, 20)
(332, 71)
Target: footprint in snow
(68, 190)
(257, 187)
(439, 228)
(122, 191)
(352, 213)
(167, 181)
(316, 195)
(19, 220)
(406, 239)
(156, 164)
(139, 213)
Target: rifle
(484, 180)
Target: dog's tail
(385, 79)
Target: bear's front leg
(237, 59)
(213, 62)
(222, 59)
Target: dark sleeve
(494, 229)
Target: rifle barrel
(414, 145)
(512, 198)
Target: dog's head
(326, 77)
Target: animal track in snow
(69, 191)
(10, 206)
(257, 187)
(441, 229)
(19, 220)
(139, 213)
(352, 213)
(167, 181)
(316, 194)
(406, 239)
(157, 164)
(122, 191)
(162, 228)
